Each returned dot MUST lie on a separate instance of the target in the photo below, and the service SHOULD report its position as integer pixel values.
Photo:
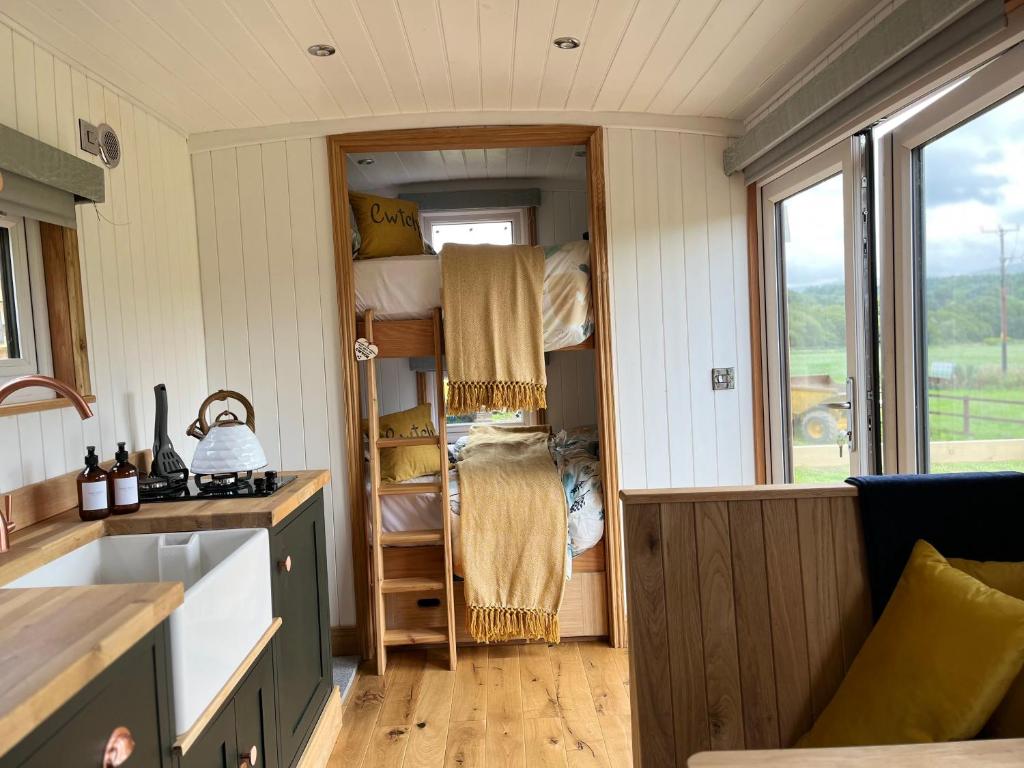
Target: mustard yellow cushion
(398, 464)
(1007, 722)
(934, 668)
(387, 227)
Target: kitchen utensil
(166, 462)
(228, 445)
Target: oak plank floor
(512, 706)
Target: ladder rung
(408, 489)
(411, 584)
(403, 442)
(412, 538)
(415, 636)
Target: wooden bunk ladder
(383, 586)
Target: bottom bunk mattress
(409, 287)
(581, 478)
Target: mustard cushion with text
(1007, 722)
(387, 226)
(934, 668)
(398, 464)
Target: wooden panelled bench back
(746, 607)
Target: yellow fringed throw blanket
(514, 534)
(492, 297)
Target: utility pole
(1002, 231)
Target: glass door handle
(847, 406)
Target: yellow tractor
(814, 423)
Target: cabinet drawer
(256, 713)
(217, 747)
(248, 720)
(132, 694)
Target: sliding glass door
(957, 319)
(811, 221)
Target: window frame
(518, 217)
(999, 80)
(843, 159)
(457, 430)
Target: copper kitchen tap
(22, 382)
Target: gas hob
(218, 487)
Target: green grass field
(977, 366)
(816, 475)
(977, 378)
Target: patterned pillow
(357, 239)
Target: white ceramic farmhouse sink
(227, 604)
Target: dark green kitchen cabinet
(131, 697)
(246, 725)
(217, 746)
(302, 646)
(256, 722)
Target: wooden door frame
(479, 137)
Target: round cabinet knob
(120, 746)
(249, 758)
(285, 565)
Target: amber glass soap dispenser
(124, 484)
(93, 497)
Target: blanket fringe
(496, 624)
(472, 396)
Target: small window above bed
(458, 426)
(496, 226)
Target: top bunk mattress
(409, 288)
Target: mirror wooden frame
(65, 308)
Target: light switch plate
(89, 137)
(723, 378)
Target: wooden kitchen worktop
(40, 543)
(57, 640)
(216, 514)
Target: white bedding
(409, 287)
(579, 472)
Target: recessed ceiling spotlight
(365, 161)
(566, 43)
(321, 49)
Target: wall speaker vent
(100, 140)
(110, 146)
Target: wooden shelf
(413, 538)
(587, 343)
(408, 489)
(411, 584)
(432, 636)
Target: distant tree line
(961, 308)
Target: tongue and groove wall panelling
(271, 317)
(139, 262)
(571, 395)
(679, 308)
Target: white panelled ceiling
(390, 169)
(210, 65)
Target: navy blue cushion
(973, 515)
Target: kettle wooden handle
(201, 426)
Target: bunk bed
(593, 604)
(408, 288)
(415, 544)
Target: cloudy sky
(973, 179)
